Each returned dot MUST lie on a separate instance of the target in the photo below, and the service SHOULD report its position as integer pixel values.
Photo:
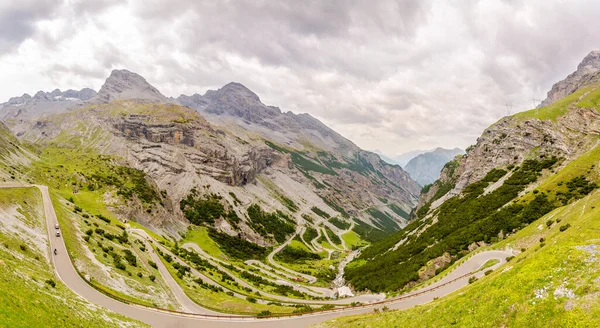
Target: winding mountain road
(161, 318)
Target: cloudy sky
(389, 75)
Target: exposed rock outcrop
(588, 71)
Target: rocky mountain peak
(126, 85)
(238, 90)
(591, 62)
(588, 71)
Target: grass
(27, 300)
(123, 283)
(298, 244)
(584, 97)
(352, 240)
(489, 264)
(220, 301)
(199, 236)
(507, 297)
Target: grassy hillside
(461, 221)
(584, 97)
(32, 295)
(552, 283)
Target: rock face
(228, 142)
(425, 168)
(513, 139)
(588, 71)
(126, 85)
(157, 142)
(359, 177)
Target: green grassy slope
(28, 299)
(550, 284)
(553, 282)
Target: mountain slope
(244, 152)
(425, 168)
(500, 186)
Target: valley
(218, 209)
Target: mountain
(588, 72)
(125, 85)
(425, 168)
(226, 143)
(43, 103)
(404, 158)
(521, 168)
(385, 158)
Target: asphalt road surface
(158, 318)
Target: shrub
(152, 264)
(120, 265)
(509, 258)
(264, 313)
(251, 299)
(51, 283)
(564, 227)
(152, 277)
(472, 279)
(542, 240)
(140, 274)
(488, 272)
(23, 247)
(103, 218)
(549, 223)
(89, 232)
(86, 238)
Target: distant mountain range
(425, 168)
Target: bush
(564, 227)
(152, 264)
(86, 238)
(549, 223)
(488, 272)
(251, 299)
(152, 277)
(89, 232)
(140, 274)
(23, 247)
(130, 258)
(51, 283)
(472, 279)
(103, 218)
(264, 313)
(509, 258)
(120, 266)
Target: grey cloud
(18, 18)
(394, 75)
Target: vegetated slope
(32, 295)
(13, 156)
(479, 198)
(552, 281)
(425, 168)
(284, 162)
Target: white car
(56, 226)
(57, 233)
